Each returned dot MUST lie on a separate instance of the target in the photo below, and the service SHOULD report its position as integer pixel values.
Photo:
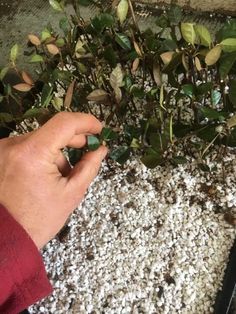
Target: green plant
(152, 89)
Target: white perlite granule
(145, 241)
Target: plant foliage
(153, 88)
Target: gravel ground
(145, 241)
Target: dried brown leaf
(135, 65)
(157, 74)
(69, 95)
(27, 78)
(98, 95)
(22, 87)
(198, 64)
(213, 55)
(138, 49)
(53, 49)
(116, 77)
(118, 94)
(34, 40)
(166, 57)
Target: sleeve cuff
(22, 272)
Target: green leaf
(14, 53)
(123, 41)
(122, 10)
(60, 42)
(151, 161)
(74, 155)
(93, 142)
(35, 113)
(1, 98)
(110, 56)
(36, 58)
(189, 90)
(204, 88)
(120, 154)
(162, 21)
(215, 97)
(46, 95)
(188, 32)
(227, 31)
(45, 35)
(137, 92)
(6, 117)
(232, 92)
(175, 14)
(64, 25)
(3, 73)
(108, 134)
(211, 114)
(204, 35)
(106, 20)
(229, 45)
(207, 133)
(56, 5)
(179, 160)
(204, 167)
(226, 63)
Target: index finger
(58, 131)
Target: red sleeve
(23, 280)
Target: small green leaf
(110, 56)
(232, 92)
(36, 58)
(204, 88)
(3, 73)
(204, 35)
(14, 53)
(93, 142)
(46, 95)
(188, 33)
(122, 10)
(162, 21)
(226, 63)
(227, 31)
(152, 161)
(6, 117)
(45, 35)
(35, 113)
(108, 134)
(120, 154)
(56, 5)
(211, 113)
(204, 167)
(60, 42)
(74, 155)
(123, 41)
(175, 14)
(106, 20)
(188, 90)
(215, 97)
(179, 160)
(229, 45)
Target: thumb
(86, 170)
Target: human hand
(37, 184)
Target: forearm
(23, 277)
